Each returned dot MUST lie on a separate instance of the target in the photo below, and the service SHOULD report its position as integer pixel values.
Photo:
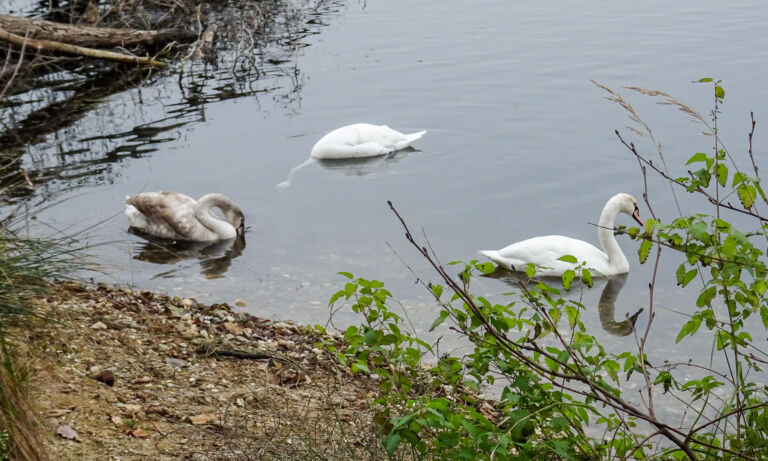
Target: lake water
(519, 144)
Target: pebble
(176, 363)
(240, 303)
(98, 326)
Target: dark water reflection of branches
(71, 124)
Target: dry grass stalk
(17, 416)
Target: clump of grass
(18, 421)
(28, 266)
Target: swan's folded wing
(545, 251)
(167, 212)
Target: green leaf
(706, 297)
(530, 270)
(486, 268)
(347, 275)
(705, 80)
(360, 366)
(437, 290)
(764, 315)
(568, 258)
(439, 320)
(644, 250)
(719, 92)
(612, 368)
(700, 232)
(649, 225)
(697, 157)
(739, 177)
(688, 277)
(760, 286)
(689, 328)
(747, 195)
(391, 442)
(567, 278)
(336, 296)
(722, 174)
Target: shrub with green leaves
(558, 387)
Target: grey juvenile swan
(171, 215)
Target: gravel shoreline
(131, 375)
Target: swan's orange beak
(636, 215)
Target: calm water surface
(520, 143)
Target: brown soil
(177, 391)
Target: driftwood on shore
(85, 41)
(89, 36)
(50, 45)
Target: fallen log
(89, 36)
(50, 45)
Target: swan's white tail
(287, 182)
(409, 139)
(492, 254)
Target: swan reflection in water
(605, 307)
(215, 257)
(361, 166)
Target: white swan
(358, 140)
(172, 215)
(544, 251)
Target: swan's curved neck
(287, 182)
(204, 214)
(608, 241)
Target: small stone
(132, 408)
(176, 363)
(204, 418)
(233, 328)
(286, 343)
(158, 410)
(67, 432)
(98, 326)
(107, 377)
(140, 433)
(240, 303)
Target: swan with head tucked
(358, 140)
(171, 215)
(544, 251)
